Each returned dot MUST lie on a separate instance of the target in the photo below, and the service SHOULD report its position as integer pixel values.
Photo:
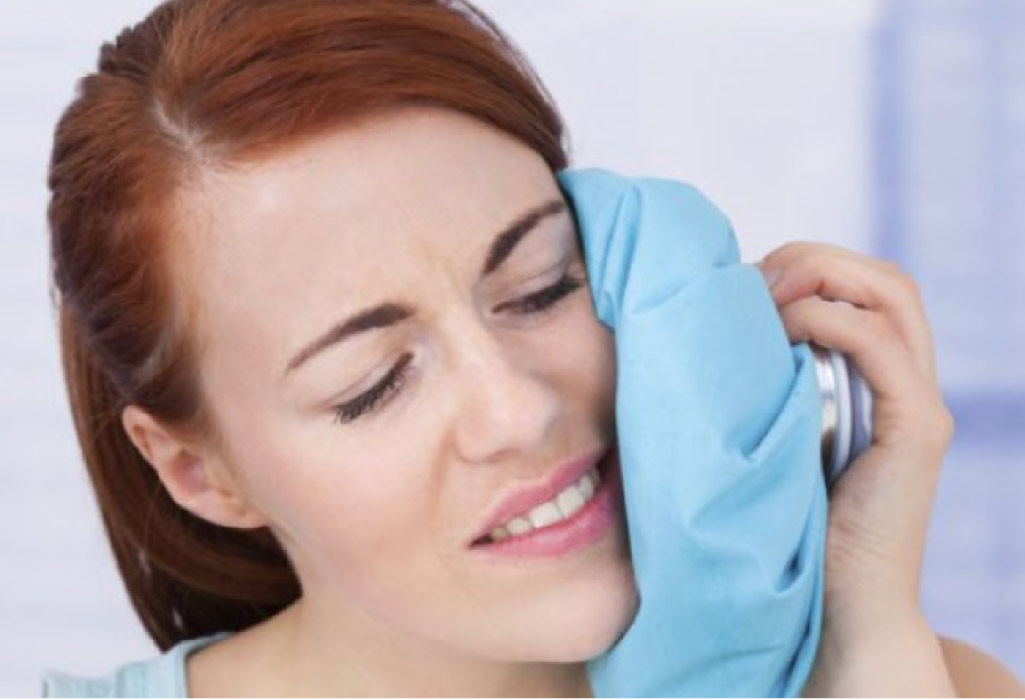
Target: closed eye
(391, 384)
(544, 298)
(369, 399)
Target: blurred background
(895, 128)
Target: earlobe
(194, 478)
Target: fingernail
(771, 275)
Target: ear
(195, 477)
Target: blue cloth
(160, 677)
(718, 424)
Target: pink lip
(523, 498)
(584, 529)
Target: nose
(504, 405)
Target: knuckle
(817, 260)
(890, 266)
(812, 308)
(794, 312)
(811, 263)
(799, 307)
(799, 317)
(909, 285)
(800, 245)
(938, 423)
(945, 424)
(798, 249)
(879, 333)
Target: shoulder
(977, 674)
(161, 676)
(127, 680)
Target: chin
(580, 623)
(596, 631)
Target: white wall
(760, 105)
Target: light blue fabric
(160, 677)
(718, 420)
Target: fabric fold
(718, 424)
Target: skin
(375, 514)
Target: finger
(867, 336)
(788, 251)
(831, 273)
(892, 294)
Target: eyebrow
(391, 312)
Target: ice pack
(718, 421)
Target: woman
(299, 349)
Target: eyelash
(538, 303)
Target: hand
(880, 507)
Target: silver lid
(846, 411)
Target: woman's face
(377, 511)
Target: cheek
(604, 350)
(589, 351)
(367, 525)
(351, 506)
(362, 509)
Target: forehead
(276, 249)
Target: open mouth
(568, 505)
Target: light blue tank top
(160, 677)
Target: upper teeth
(568, 502)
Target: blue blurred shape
(950, 170)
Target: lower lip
(584, 528)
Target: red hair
(203, 83)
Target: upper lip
(518, 499)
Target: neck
(353, 655)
